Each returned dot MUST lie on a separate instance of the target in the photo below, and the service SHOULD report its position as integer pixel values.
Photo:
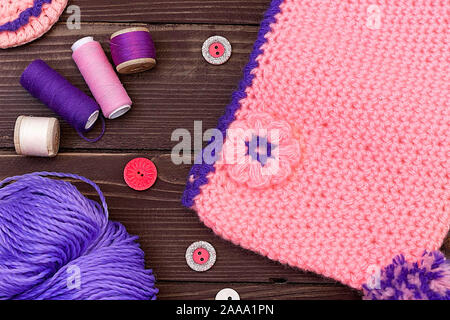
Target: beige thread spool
(135, 65)
(37, 136)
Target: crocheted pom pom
(426, 279)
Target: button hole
(278, 280)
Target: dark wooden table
(181, 89)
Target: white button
(227, 294)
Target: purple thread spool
(72, 104)
(133, 50)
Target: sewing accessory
(66, 100)
(140, 174)
(227, 294)
(354, 168)
(133, 50)
(101, 77)
(216, 50)
(200, 256)
(22, 21)
(36, 136)
(56, 244)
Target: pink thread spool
(101, 77)
(133, 50)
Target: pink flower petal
(284, 171)
(290, 153)
(284, 131)
(259, 121)
(234, 150)
(238, 125)
(256, 178)
(240, 172)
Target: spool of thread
(101, 77)
(36, 136)
(133, 50)
(69, 102)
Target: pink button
(140, 174)
(201, 256)
(216, 49)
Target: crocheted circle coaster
(337, 144)
(22, 21)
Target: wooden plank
(174, 11)
(165, 228)
(259, 291)
(182, 88)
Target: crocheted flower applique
(260, 151)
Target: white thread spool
(37, 136)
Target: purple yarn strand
(199, 172)
(132, 45)
(51, 88)
(81, 134)
(47, 227)
(24, 17)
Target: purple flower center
(260, 149)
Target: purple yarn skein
(56, 244)
(48, 86)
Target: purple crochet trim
(199, 172)
(25, 16)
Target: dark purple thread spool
(133, 50)
(69, 102)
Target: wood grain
(208, 291)
(173, 11)
(181, 89)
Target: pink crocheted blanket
(339, 138)
(22, 21)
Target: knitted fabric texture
(358, 93)
(22, 21)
